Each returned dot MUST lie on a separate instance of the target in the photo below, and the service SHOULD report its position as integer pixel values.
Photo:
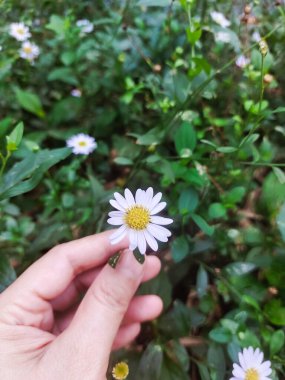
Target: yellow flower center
(120, 371)
(252, 374)
(20, 31)
(27, 49)
(137, 218)
(82, 143)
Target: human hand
(48, 333)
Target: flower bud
(263, 47)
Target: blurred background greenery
(179, 99)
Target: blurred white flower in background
(82, 144)
(256, 37)
(76, 93)
(251, 366)
(222, 37)
(19, 31)
(85, 25)
(29, 51)
(220, 19)
(242, 61)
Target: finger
(142, 309)
(125, 335)
(49, 276)
(102, 309)
(71, 294)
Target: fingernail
(128, 264)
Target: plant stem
(4, 162)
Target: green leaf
(188, 201)
(26, 174)
(150, 363)
(226, 149)
(123, 161)
(280, 221)
(203, 371)
(217, 210)
(216, 361)
(63, 74)
(239, 268)
(202, 281)
(176, 322)
(178, 353)
(179, 249)
(30, 102)
(279, 174)
(220, 335)
(15, 137)
(57, 24)
(7, 273)
(193, 35)
(68, 57)
(277, 341)
(275, 312)
(203, 225)
(185, 138)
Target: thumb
(98, 318)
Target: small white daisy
(251, 366)
(19, 31)
(256, 37)
(82, 144)
(76, 93)
(242, 61)
(222, 37)
(220, 19)
(137, 219)
(29, 51)
(85, 25)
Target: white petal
(155, 200)
(139, 197)
(115, 221)
(113, 214)
(116, 205)
(151, 241)
(121, 200)
(158, 208)
(265, 368)
(118, 232)
(141, 243)
(118, 238)
(260, 358)
(157, 233)
(161, 220)
(129, 198)
(133, 235)
(238, 371)
(148, 195)
(241, 360)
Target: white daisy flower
(76, 93)
(85, 25)
(220, 19)
(19, 31)
(136, 216)
(242, 61)
(251, 366)
(222, 37)
(256, 37)
(29, 51)
(82, 144)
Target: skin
(49, 331)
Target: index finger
(51, 274)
